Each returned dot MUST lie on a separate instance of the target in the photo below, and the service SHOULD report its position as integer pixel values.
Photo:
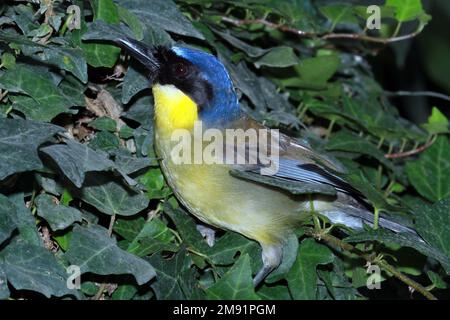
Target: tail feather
(355, 218)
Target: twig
(412, 152)
(371, 259)
(418, 93)
(326, 36)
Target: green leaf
(406, 10)
(339, 13)
(437, 122)
(227, 247)
(278, 57)
(251, 51)
(29, 267)
(19, 141)
(4, 290)
(430, 173)
(24, 220)
(63, 56)
(153, 236)
(436, 279)
(75, 160)
(314, 73)
(104, 123)
(302, 278)
(346, 141)
(105, 141)
(98, 54)
(7, 225)
(8, 60)
(433, 224)
(277, 292)
(129, 164)
(94, 251)
(133, 83)
(109, 196)
(58, 216)
(187, 229)
(236, 284)
(37, 97)
(124, 292)
(163, 14)
(132, 21)
(167, 285)
(403, 239)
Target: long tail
(354, 218)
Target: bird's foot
(207, 233)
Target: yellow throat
(173, 109)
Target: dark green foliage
(79, 179)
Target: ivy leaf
(29, 267)
(104, 123)
(346, 141)
(433, 224)
(236, 284)
(251, 51)
(99, 54)
(278, 57)
(339, 13)
(39, 98)
(94, 251)
(274, 292)
(429, 174)
(109, 196)
(168, 276)
(437, 122)
(302, 278)
(76, 159)
(403, 239)
(406, 10)
(314, 73)
(227, 247)
(19, 141)
(133, 83)
(162, 13)
(124, 292)
(69, 59)
(24, 220)
(154, 236)
(59, 217)
(4, 290)
(7, 225)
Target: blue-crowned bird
(190, 85)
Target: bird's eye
(181, 69)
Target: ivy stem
(330, 128)
(397, 29)
(374, 260)
(376, 217)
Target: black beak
(141, 52)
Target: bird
(191, 86)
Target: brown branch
(372, 259)
(326, 36)
(409, 153)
